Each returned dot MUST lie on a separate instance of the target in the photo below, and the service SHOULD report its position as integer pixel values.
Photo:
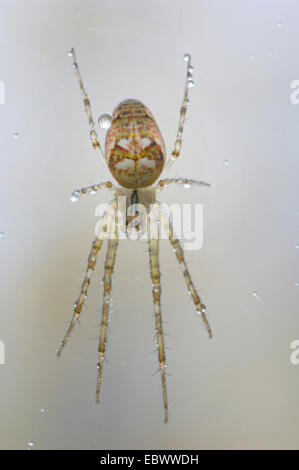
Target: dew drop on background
(105, 120)
(256, 295)
(31, 444)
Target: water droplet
(187, 57)
(226, 162)
(75, 65)
(190, 83)
(190, 68)
(31, 444)
(297, 246)
(1, 234)
(105, 120)
(256, 295)
(187, 185)
(42, 410)
(279, 24)
(75, 195)
(71, 53)
(16, 135)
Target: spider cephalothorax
(135, 155)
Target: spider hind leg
(92, 132)
(178, 142)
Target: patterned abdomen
(134, 150)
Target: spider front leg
(200, 307)
(178, 142)
(96, 246)
(156, 291)
(92, 131)
(107, 282)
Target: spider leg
(109, 267)
(156, 291)
(95, 248)
(178, 142)
(92, 131)
(93, 189)
(200, 307)
(185, 182)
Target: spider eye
(105, 120)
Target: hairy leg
(156, 291)
(92, 131)
(92, 189)
(185, 182)
(178, 143)
(109, 268)
(200, 307)
(96, 246)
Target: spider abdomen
(134, 150)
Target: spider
(135, 155)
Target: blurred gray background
(238, 390)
